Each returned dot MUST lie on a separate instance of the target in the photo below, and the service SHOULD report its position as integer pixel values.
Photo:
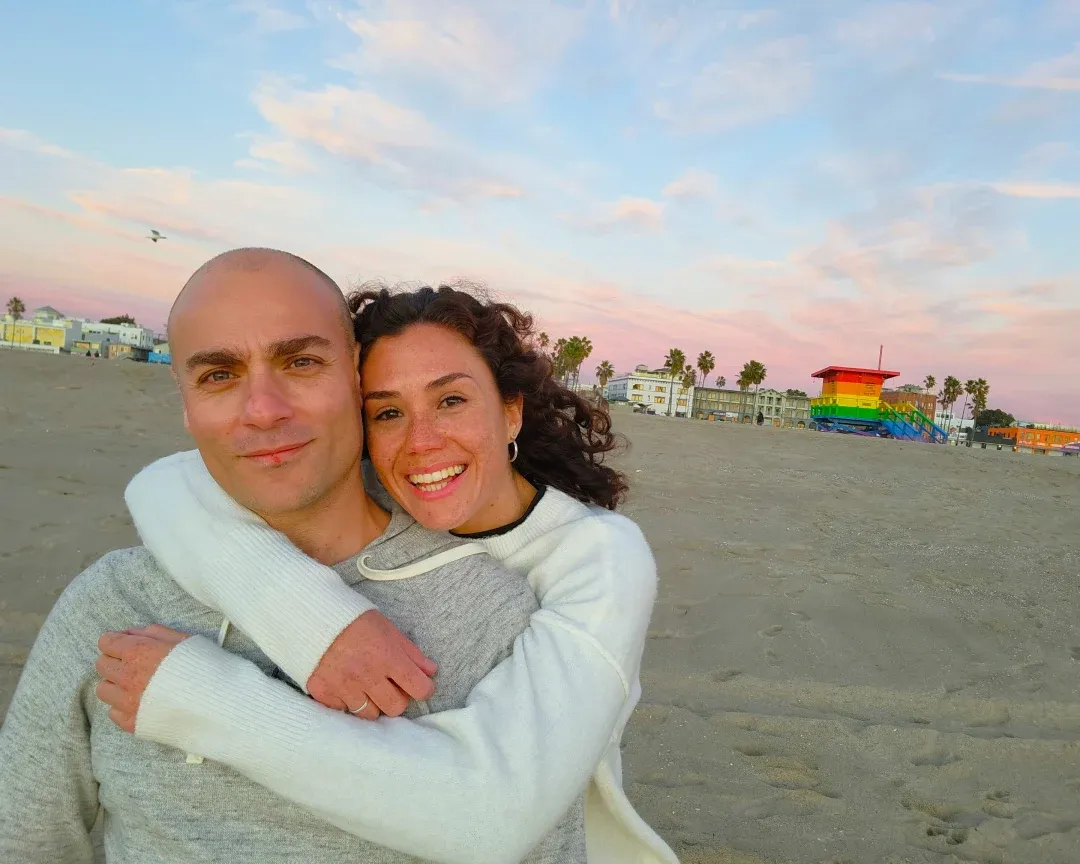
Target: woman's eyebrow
(434, 385)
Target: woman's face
(438, 429)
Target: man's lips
(274, 453)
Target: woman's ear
(515, 409)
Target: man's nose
(424, 434)
(267, 403)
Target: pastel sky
(793, 182)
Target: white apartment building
(651, 387)
(48, 329)
(123, 334)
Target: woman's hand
(128, 661)
(370, 669)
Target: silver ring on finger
(361, 708)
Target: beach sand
(863, 651)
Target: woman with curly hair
(469, 431)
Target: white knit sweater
(481, 784)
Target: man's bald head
(253, 260)
(266, 362)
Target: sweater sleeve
(219, 552)
(49, 801)
(478, 785)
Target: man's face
(270, 386)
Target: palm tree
(543, 340)
(980, 397)
(705, 364)
(584, 349)
(721, 382)
(929, 383)
(604, 373)
(16, 309)
(950, 392)
(754, 373)
(559, 359)
(969, 389)
(743, 382)
(674, 363)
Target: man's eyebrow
(213, 357)
(287, 347)
(276, 350)
(434, 385)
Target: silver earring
(513, 450)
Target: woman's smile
(428, 483)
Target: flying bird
(155, 235)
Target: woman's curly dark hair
(563, 438)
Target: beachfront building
(120, 334)
(957, 427)
(912, 394)
(49, 330)
(45, 330)
(651, 388)
(777, 407)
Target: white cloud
(746, 87)
(396, 146)
(271, 18)
(1060, 73)
(883, 26)
(694, 183)
(490, 51)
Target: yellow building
(31, 333)
(45, 330)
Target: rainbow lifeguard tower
(850, 401)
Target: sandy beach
(863, 651)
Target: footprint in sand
(936, 758)
(771, 631)
(783, 770)
(996, 804)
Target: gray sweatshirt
(62, 759)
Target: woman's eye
(388, 414)
(451, 401)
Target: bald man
(267, 368)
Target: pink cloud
(628, 212)
(1038, 190)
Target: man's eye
(304, 362)
(218, 376)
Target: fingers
(412, 681)
(123, 719)
(428, 667)
(368, 712)
(117, 697)
(160, 632)
(113, 644)
(110, 668)
(387, 697)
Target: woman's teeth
(436, 480)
